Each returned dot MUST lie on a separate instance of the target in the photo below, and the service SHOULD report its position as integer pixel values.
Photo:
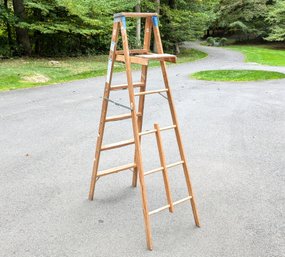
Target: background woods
(72, 28)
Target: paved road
(234, 135)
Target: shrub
(223, 41)
(211, 41)
(216, 41)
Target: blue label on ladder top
(155, 21)
(124, 22)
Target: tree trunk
(22, 34)
(177, 48)
(138, 27)
(8, 27)
(172, 4)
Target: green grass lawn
(24, 73)
(237, 75)
(262, 54)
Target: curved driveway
(234, 135)
(221, 58)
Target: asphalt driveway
(234, 136)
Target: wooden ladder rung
(120, 117)
(154, 130)
(151, 92)
(159, 209)
(174, 164)
(125, 86)
(116, 169)
(117, 145)
(167, 206)
(153, 171)
(161, 168)
(182, 200)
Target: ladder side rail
(138, 153)
(146, 46)
(112, 56)
(175, 121)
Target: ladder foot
(90, 197)
(197, 222)
(92, 190)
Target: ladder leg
(136, 136)
(104, 110)
(144, 203)
(146, 46)
(175, 122)
(180, 145)
(140, 118)
(163, 164)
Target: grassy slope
(237, 75)
(262, 54)
(18, 73)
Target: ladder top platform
(143, 59)
(159, 57)
(135, 14)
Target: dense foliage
(276, 19)
(68, 27)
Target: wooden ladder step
(151, 131)
(182, 200)
(116, 169)
(117, 145)
(151, 92)
(133, 51)
(161, 168)
(167, 206)
(159, 57)
(133, 59)
(125, 86)
(120, 117)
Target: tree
(182, 20)
(276, 19)
(243, 16)
(64, 27)
(21, 33)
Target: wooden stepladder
(142, 57)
